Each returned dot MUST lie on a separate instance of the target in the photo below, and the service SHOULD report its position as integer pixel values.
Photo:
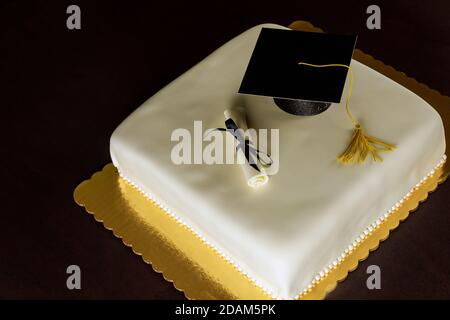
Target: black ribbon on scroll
(251, 153)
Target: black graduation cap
(301, 89)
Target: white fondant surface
(285, 232)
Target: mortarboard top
(274, 68)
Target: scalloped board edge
(198, 271)
(194, 268)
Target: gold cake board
(197, 270)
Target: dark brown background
(63, 92)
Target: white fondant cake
(284, 233)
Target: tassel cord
(360, 145)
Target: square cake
(282, 235)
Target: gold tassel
(360, 145)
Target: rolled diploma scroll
(254, 177)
